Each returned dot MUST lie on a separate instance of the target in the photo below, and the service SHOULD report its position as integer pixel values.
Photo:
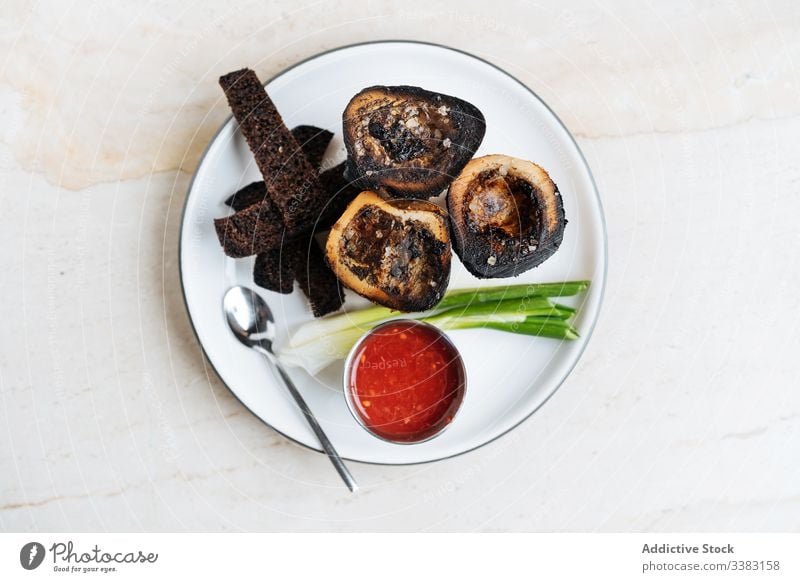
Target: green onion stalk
(522, 309)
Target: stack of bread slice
(277, 219)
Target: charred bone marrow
(409, 141)
(393, 252)
(506, 216)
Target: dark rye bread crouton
(302, 260)
(317, 281)
(255, 229)
(313, 142)
(340, 191)
(247, 196)
(292, 183)
(275, 269)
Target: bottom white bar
(401, 557)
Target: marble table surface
(684, 413)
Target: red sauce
(406, 381)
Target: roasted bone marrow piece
(393, 252)
(409, 141)
(506, 216)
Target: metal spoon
(252, 323)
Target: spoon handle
(338, 464)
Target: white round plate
(509, 376)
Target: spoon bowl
(249, 316)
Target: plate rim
(592, 181)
